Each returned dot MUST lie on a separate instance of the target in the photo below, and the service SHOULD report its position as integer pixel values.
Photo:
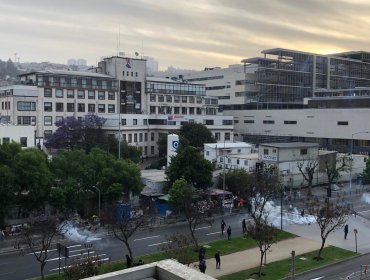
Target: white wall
(15, 132)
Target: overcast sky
(190, 34)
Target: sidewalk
(250, 258)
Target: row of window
(5, 105)
(205, 78)
(288, 122)
(22, 141)
(81, 107)
(70, 93)
(128, 73)
(175, 98)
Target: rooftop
(290, 145)
(228, 145)
(68, 73)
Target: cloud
(187, 34)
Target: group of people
(202, 260)
(223, 226)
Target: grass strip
(282, 269)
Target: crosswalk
(78, 251)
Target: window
(58, 119)
(145, 150)
(227, 136)
(342, 123)
(101, 95)
(48, 92)
(26, 120)
(268, 122)
(47, 134)
(48, 107)
(80, 107)
(130, 138)
(176, 110)
(152, 136)
(152, 109)
(145, 136)
(81, 94)
(183, 110)
(111, 96)
(135, 137)
(59, 107)
(145, 121)
(265, 151)
(199, 111)
(245, 162)
(191, 99)
(134, 121)
(290, 122)
(208, 122)
(26, 106)
(59, 93)
(191, 111)
(91, 108)
(153, 98)
(111, 108)
(248, 121)
(176, 99)
(160, 98)
(70, 107)
(91, 94)
(140, 137)
(101, 108)
(218, 136)
(236, 121)
(227, 122)
(48, 120)
(23, 141)
(6, 140)
(123, 121)
(152, 150)
(303, 152)
(70, 93)
(184, 99)
(168, 98)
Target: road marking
(51, 250)
(202, 228)
(156, 244)
(138, 239)
(318, 278)
(217, 232)
(63, 267)
(87, 253)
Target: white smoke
(73, 233)
(366, 198)
(273, 213)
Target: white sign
(269, 157)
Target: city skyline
(185, 34)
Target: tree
(329, 217)
(196, 134)
(185, 201)
(267, 185)
(333, 167)
(307, 169)
(126, 225)
(198, 173)
(238, 181)
(179, 247)
(264, 235)
(38, 237)
(75, 133)
(366, 172)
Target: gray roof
(290, 145)
(70, 73)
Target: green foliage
(238, 181)
(180, 193)
(57, 198)
(162, 145)
(196, 134)
(8, 69)
(191, 165)
(366, 173)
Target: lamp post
(351, 158)
(94, 187)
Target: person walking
(229, 233)
(218, 260)
(345, 231)
(202, 253)
(203, 266)
(223, 225)
(244, 226)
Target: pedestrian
(302, 213)
(345, 231)
(223, 225)
(299, 194)
(202, 253)
(229, 233)
(202, 266)
(128, 261)
(2, 235)
(244, 226)
(218, 260)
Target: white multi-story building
(22, 134)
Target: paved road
(351, 268)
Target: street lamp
(351, 158)
(94, 187)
